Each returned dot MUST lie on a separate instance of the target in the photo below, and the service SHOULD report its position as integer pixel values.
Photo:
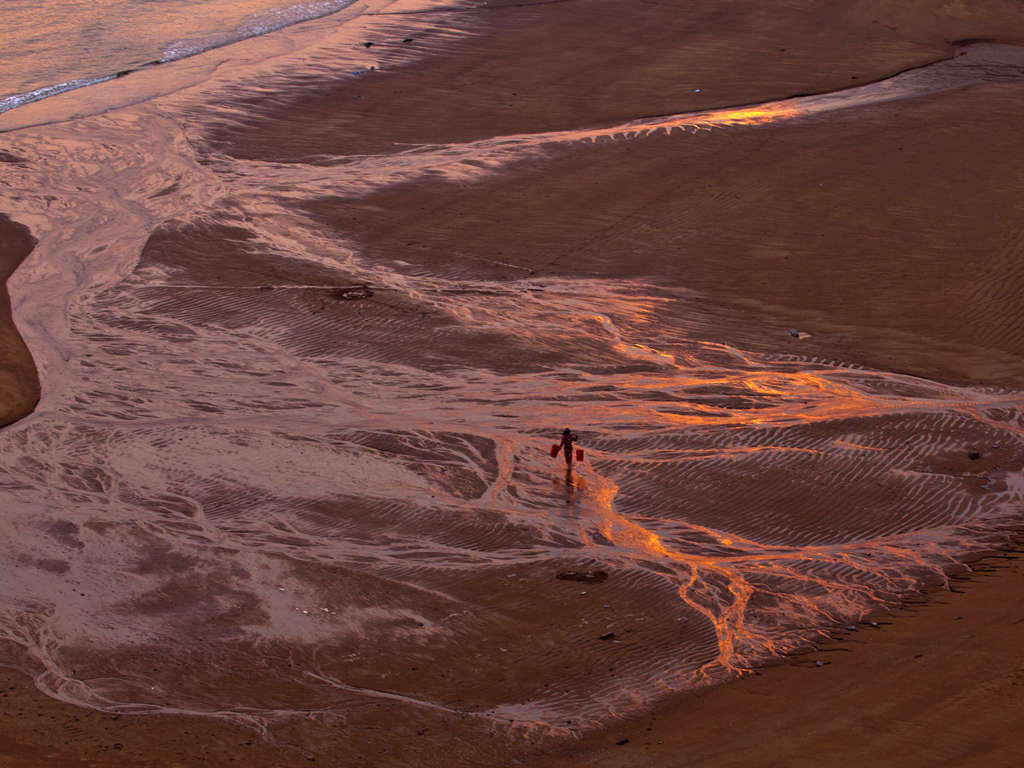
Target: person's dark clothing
(568, 438)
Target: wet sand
(889, 234)
(942, 684)
(19, 384)
(892, 233)
(937, 682)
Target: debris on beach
(973, 455)
(607, 636)
(355, 293)
(796, 334)
(590, 577)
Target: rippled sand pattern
(245, 470)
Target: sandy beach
(859, 266)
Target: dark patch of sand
(891, 233)
(19, 382)
(556, 66)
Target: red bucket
(554, 451)
(579, 454)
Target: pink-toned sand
(893, 233)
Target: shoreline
(19, 380)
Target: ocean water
(53, 47)
(247, 469)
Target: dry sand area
(892, 233)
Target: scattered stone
(354, 294)
(851, 627)
(367, 45)
(607, 636)
(589, 577)
(407, 40)
(620, 742)
(958, 618)
(972, 455)
(918, 656)
(794, 333)
(819, 663)
(118, 745)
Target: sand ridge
(19, 382)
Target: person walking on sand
(568, 438)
